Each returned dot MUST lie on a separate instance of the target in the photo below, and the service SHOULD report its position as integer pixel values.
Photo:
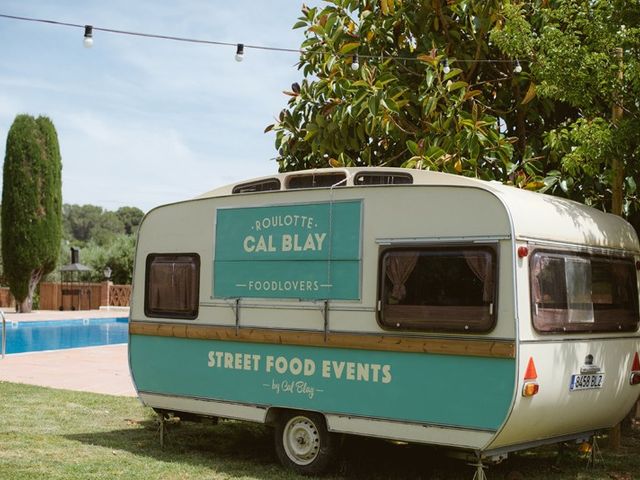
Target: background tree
(2, 279)
(31, 206)
(131, 218)
(117, 255)
(109, 225)
(105, 238)
(91, 223)
(584, 54)
(80, 220)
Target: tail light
(635, 371)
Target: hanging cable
(88, 41)
(148, 35)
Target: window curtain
(621, 273)
(480, 265)
(399, 268)
(539, 263)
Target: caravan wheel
(303, 442)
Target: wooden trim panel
(389, 343)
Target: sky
(142, 122)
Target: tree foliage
(81, 220)
(91, 223)
(31, 205)
(423, 94)
(516, 92)
(585, 54)
(118, 255)
(105, 238)
(130, 218)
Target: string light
(355, 65)
(87, 41)
(89, 29)
(518, 67)
(240, 52)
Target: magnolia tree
(397, 84)
(521, 93)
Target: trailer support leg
(595, 456)
(162, 429)
(164, 420)
(562, 450)
(480, 468)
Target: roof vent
(317, 180)
(383, 178)
(259, 186)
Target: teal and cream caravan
(399, 304)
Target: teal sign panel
(306, 251)
(448, 390)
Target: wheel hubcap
(301, 440)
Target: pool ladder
(4, 333)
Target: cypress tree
(31, 206)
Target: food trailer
(400, 304)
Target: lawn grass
(58, 434)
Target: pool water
(57, 335)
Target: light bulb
(240, 52)
(354, 64)
(446, 69)
(518, 67)
(88, 36)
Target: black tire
(303, 442)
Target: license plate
(586, 382)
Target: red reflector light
(523, 252)
(636, 363)
(530, 388)
(635, 378)
(530, 373)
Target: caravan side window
(172, 285)
(438, 289)
(578, 292)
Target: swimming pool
(61, 334)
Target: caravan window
(438, 289)
(574, 292)
(172, 285)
